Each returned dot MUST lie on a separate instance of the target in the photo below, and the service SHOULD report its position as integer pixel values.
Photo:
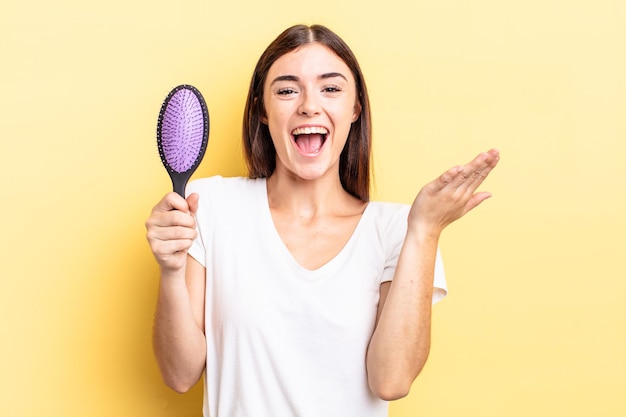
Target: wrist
(423, 232)
(173, 273)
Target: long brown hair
(354, 162)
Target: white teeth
(310, 130)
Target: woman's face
(310, 100)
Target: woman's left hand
(452, 195)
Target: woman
(293, 293)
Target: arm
(178, 336)
(400, 343)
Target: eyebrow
(321, 77)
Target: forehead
(312, 59)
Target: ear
(357, 111)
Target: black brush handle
(179, 182)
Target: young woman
(291, 291)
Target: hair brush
(182, 134)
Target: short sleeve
(207, 189)
(394, 239)
(440, 285)
(197, 251)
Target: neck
(308, 198)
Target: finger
(477, 170)
(175, 246)
(483, 160)
(450, 177)
(170, 218)
(166, 249)
(172, 201)
(476, 178)
(171, 233)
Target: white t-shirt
(282, 340)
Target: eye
(285, 91)
(331, 89)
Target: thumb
(172, 201)
(192, 200)
(476, 200)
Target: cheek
(280, 137)
(275, 124)
(274, 114)
(346, 118)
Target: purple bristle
(182, 130)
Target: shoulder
(224, 202)
(227, 196)
(389, 220)
(228, 185)
(388, 212)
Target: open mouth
(310, 140)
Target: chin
(315, 174)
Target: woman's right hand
(171, 229)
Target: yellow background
(535, 324)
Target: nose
(309, 105)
